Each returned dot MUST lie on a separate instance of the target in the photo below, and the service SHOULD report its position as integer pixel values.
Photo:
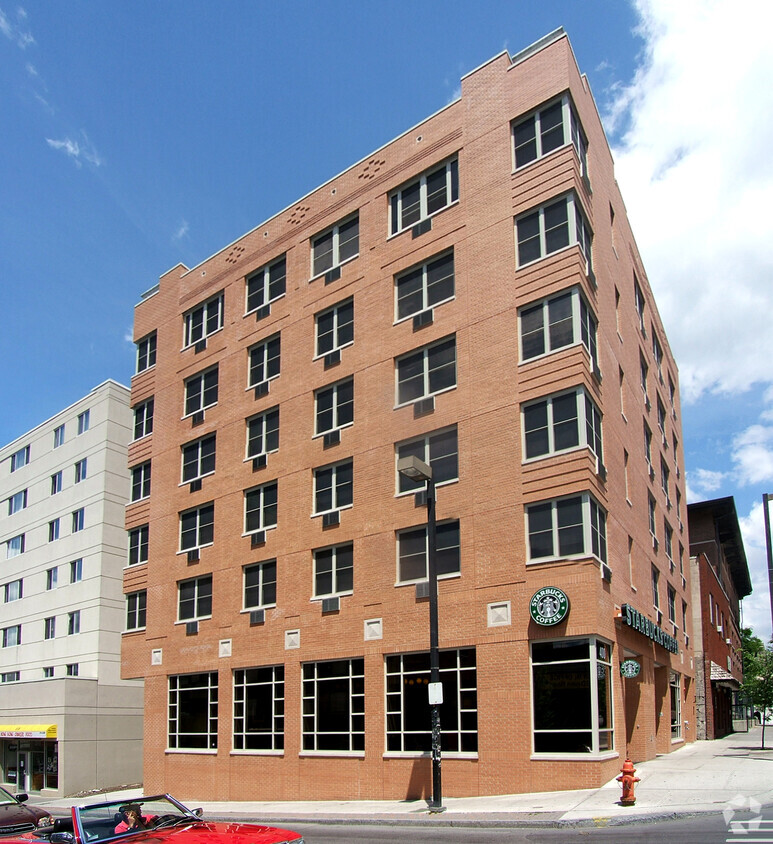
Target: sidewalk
(700, 777)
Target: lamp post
(765, 499)
(417, 470)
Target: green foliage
(758, 675)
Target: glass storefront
(29, 764)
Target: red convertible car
(150, 820)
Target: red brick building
(471, 294)
(720, 580)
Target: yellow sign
(28, 731)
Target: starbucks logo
(549, 606)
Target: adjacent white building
(68, 722)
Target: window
(143, 419)
(136, 610)
(49, 627)
(10, 677)
(407, 703)
(259, 705)
(551, 228)
(263, 361)
(566, 527)
(668, 542)
(334, 406)
(675, 689)
(336, 245)
(263, 433)
(638, 299)
(56, 483)
(193, 711)
(58, 436)
(648, 445)
(80, 470)
(560, 423)
(84, 421)
(72, 669)
(334, 571)
(203, 320)
(197, 527)
(260, 508)
(18, 501)
(651, 509)
(412, 552)
(73, 622)
(12, 636)
(201, 391)
(146, 352)
(664, 477)
(424, 286)
(334, 705)
(657, 353)
(13, 591)
(266, 284)
(644, 372)
(333, 487)
(260, 585)
(548, 129)
(662, 421)
(48, 671)
(198, 458)
(335, 327)
(138, 545)
(53, 530)
(557, 323)
(76, 570)
(140, 481)
(20, 458)
(439, 450)
(51, 578)
(14, 546)
(655, 588)
(671, 598)
(195, 598)
(426, 371)
(431, 192)
(572, 696)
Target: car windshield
(130, 817)
(6, 798)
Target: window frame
(16, 503)
(407, 486)
(338, 489)
(339, 332)
(203, 330)
(336, 406)
(73, 623)
(143, 418)
(81, 470)
(271, 680)
(142, 532)
(442, 548)
(410, 358)
(49, 628)
(11, 594)
(198, 380)
(147, 348)
(266, 433)
(422, 271)
(270, 362)
(12, 636)
(198, 527)
(136, 610)
(19, 459)
(320, 742)
(583, 425)
(260, 587)
(178, 740)
(591, 511)
(140, 482)
(572, 133)
(84, 421)
(76, 570)
(59, 435)
(260, 490)
(397, 214)
(341, 575)
(335, 252)
(56, 482)
(52, 578)
(263, 284)
(201, 602)
(195, 449)
(11, 543)
(576, 223)
(54, 527)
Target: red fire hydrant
(627, 780)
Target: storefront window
(572, 705)
(29, 765)
(675, 687)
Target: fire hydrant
(627, 780)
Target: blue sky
(139, 135)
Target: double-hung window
(260, 585)
(14, 546)
(266, 284)
(556, 323)
(203, 320)
(146, 352)
(333, 487)
(336, 245)
(81, 468)
(333, 700)
(560, 423)
(18, 501)
(412, 552)
(12, 636)
(201, 391)
(20, 458)
(140, 481)
(198, 458)
(136, 610)
(335, 327)
(195, 598)
(143, 419)
(197, 527)
(263, 433)
(263, 361)
(566, 527)
(553, 126)
(425, 286)
(73, 622)
(84, 421)
(138, 545)
(439, 450)
(334, 407)
(52, 577)
(259, 705)
(193, 711)
(421, 198)
(551, 227)
(49, 627)
(260, 508)
(13, 591)
(426, 371)
(334, 571)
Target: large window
(675, 689)
(197, 527)
(203, 320)
(424, 286)
(14, 546)
(266, 284)
(198, 458)
(439, 450)
(18, 501)
(263, 433)
(334, 706)
(431, 192)
(259, 705)
(561, 423)
(334, 407)
(556, 323)
(138, 545)
(412, 552)
(136, 610)
(548, 129)
(143, 419)
(140, 481)
(572, 703)
(334, 571)
(193, 711)
(335, 245)
(263, 361)
(260, 585)
(260, 508)
(335, 327)
(194, 598)
(201, 391)
(408, 720)
(146, 352)
(426, 371)
(553, 227)
(566, 527)
(20, 458)
(333, 487)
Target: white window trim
(573, 203)
(423, 266)
(335, 229)
(425, 438)
(200, 376)
(568, 108)
(449, 576)
(315, 598)
(265, 272)
(198, 528)
(334, 386)
(424, 350)
(586, 529)
(332, 309)
(422, 179)
(263, 343)
(263, 527)
(198, 461)
(334, 466)
(262, 415)
(580, 393)
(204, 305)
(577, 294)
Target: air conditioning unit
(258, 538)
(332, 358)
(601, 470)
(259, 462)
(261, 389)
(193, 555)
(595, 371)
(591, 275)
(719, 628)
(191, 628)
(728, 641)
(331, 604)
(420, 228)
(257, 617)
(196, 485)
(331, 519)
(423, 318)
(423, 407)
(331, 438)
(332, 275)
(422, 590)
(606, 573)
(263, 312)
(197, 418)
(200, 346)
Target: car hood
(204, 832)
(14, 813)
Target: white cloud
(753, 455)
(18, 31)
(756, 608)
(695, 169)
(181, 232)
(78, 151)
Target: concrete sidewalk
(707, 776)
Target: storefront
(29, 757)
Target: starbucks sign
(630, 668)
(549, 606)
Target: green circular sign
(549, 606)
(630, 668)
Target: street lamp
(417, 470)
(765, 498)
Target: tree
(758, 676)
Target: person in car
(133, 819)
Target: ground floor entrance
(29, 764)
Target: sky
(136, 136)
